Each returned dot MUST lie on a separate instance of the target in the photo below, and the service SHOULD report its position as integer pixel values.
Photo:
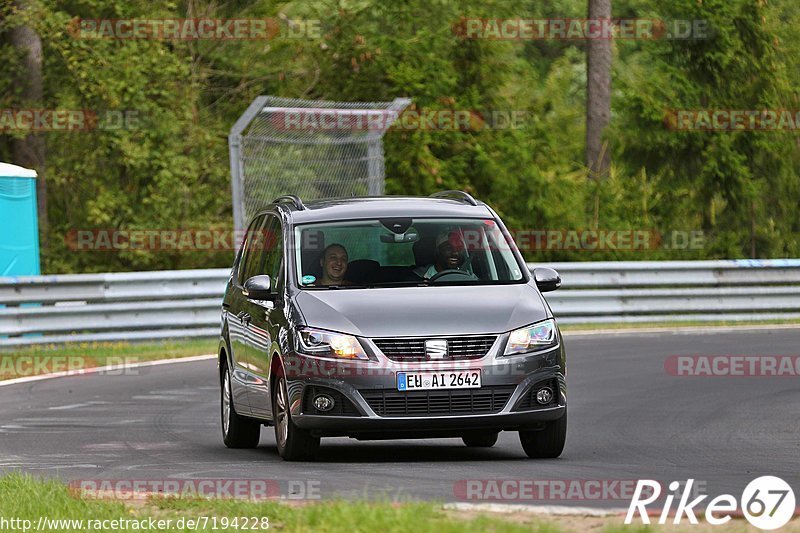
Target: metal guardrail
(677, 291)
(186, 303)
(117, 306)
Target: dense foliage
(740, 189)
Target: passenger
(450, 254)
(334, 265)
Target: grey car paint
(421, 312)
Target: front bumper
(425, 427)
(352, 381)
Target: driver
(450, 254)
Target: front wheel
(547, 443)
(294, 444)
(237, 431)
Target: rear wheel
(237, 431)
(480, 440)
(294, 444)
(547, 443)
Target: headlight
(532, 338)
(323, 343)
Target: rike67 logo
(767, 502)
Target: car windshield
(403, 251)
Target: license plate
(451, 379)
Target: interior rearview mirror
(258, 288)
(547, 279)
(411, 236)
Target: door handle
(244, 317)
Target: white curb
(560, 510)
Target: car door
(262, 332)
(236, 316)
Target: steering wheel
(450, 271)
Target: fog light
(323, 403)
(544, 396)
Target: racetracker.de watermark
(733, 365)
(203, 488)
(308, 367)
(531, 240)
(36, 120)
(546, 490)
(195, 29)
(379, 120)
(163, 240)
(580, 29)
(727, 120)
(590, 240)
(13, 366)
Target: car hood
(423, 311)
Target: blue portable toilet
(19, 226)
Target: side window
(251, 250)
(273, 249)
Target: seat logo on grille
(436, 348)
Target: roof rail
(294, 199)
(455, 195)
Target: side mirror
(547, 279)
(258, 288)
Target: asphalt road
(629, 419)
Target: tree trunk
(29, 151)
(598, 94)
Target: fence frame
(261, 104)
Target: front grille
(485, 400)
(413, 349)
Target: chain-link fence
(311, 148)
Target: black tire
(294, 444)
(547, 443)
(237, 431)
(484, 439)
